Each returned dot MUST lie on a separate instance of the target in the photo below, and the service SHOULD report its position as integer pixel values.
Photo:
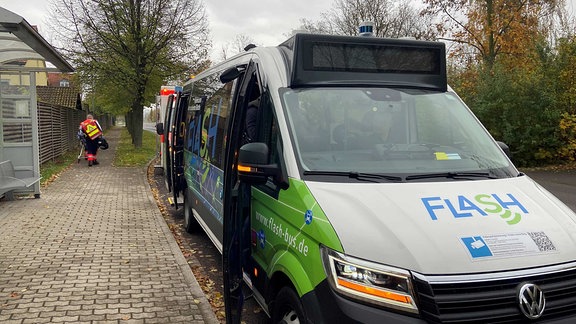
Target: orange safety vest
(90, 127)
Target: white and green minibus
(345, 182)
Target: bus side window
(208, 112)
(193, 119)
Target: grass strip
(129, 156)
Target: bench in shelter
(10, 183)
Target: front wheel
(288, 308)
(190, 223)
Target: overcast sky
(267, 22)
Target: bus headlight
(369, 282)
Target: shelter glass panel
(15, 84)
(17, 132)
(15, 108)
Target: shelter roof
(19, 41)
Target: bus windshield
(401, 132)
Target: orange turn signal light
(244, 168)
(375, 292)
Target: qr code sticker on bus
(542, 241)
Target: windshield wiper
(356, 175)
(453, 175)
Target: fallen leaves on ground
(215, 298)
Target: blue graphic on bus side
(308, 217)
(261, 238)
(206, 178)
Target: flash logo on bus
(508, 208)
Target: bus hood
(450, 227)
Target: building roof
(61, 96)
(20, 41)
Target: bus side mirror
(160, 128)
(229, 75)
(505, 148)
(253, 167)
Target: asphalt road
(561, 183)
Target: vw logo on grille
(531, 300)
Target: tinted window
(214, 120)
(373, 58)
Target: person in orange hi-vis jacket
(93, 131)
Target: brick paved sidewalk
(94, 249)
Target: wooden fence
(57, 128)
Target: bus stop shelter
(24, 55)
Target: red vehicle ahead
(170, 150)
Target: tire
(190, 223)
(288, 308)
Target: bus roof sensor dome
(366, 28)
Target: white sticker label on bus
(508, 245)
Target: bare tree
(391, 18)
(235, 46)
(314, 27)
(125, 49)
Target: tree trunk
(138, 124)
(490, 58)
(129, 123)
